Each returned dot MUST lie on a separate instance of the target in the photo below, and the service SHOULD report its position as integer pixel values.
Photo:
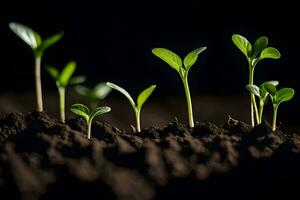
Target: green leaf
(270, 52)
(29, 36)
(243, 44)
(66, 73)
(123, 91)
(145, 95)
(100, 111)
(263, 92)
(273, 82)
(259, 45)
(81, 110)
(54, 73)
(77, 80)
(169, 57)
(270, 88)
(82, 90)
(284, 94)
(101, 90)
(48, 42)
(192, 57)
(253, 89)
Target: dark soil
(41, 158)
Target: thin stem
(254, 110)
(61, 92)
(261, 110)
(89, 126)
(188, 99)
(275, 108)
(138, 118)
(38, 85)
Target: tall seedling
(62, 80)
(254, 54)
(38, 46)
(176, 63)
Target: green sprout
(143, 96)
(88, 115)
(63, 79)
(262, 94)
(95, 94)
(254, 54)
(38, 46)
(277, 97)
(176, 63)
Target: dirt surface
(41, 158)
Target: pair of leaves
(85, 112)
(33, 39)
(282, 95)
(175, 61)
(143, 96)
(259, 49)
(260, 91)
(99, 92)
(63, 78)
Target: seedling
(85, 112)
(254, 54)
(95, 94)
(277, 97)
(176, 63)
(63, 79)
(262, 94)
(38, 46)
(143, 96)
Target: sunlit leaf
(253, 89)
(66, 73)
(100, 111)
(169, 57)
(270, 52)
(123, 91)
(145, 95)
(259, 45)
(192, 57)
(81, 110)
(284, 94)
(29, 36)
(243, 44)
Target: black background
(112, 41)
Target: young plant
(176, 63)
(262, 94)
(88, 115)
(63, 79)
(277, 97)
(38, 46)
(95, 94)
(143, 96)
(254, 54)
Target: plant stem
(261, 110)
(89, 125)
(61, 92)
(254, 110)
(275, 108)
(138, 118)
(38, 85)
(189, 100)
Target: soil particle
(41, 158)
